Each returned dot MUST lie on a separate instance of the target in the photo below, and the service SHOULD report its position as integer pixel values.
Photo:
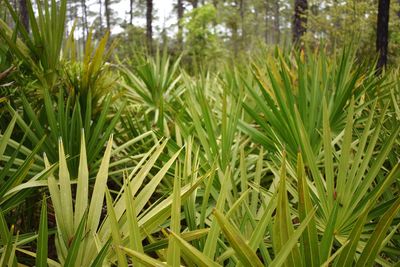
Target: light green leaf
(143, 258)
(81, 200)
(117, 242)
(192, 253)
(41, 254)
(96, 203)
(245, 254)
(291, 243)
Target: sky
(163, 13)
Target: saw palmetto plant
(290, 160)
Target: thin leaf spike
(244, 252)
(211, 241)
(329, 234)
(143, 258)
(347, 256)
(98, 261)
(81, 203)
(197, 257)
(77, 242)
(42, 248)
(115, 234)
(96, 203)
(173, 257)
(6, 136)
(55, 199)
(292, 242)
(65, 191)
(373, 245)
(309, 240)
(282, 227)
(135, 239)
(328, 159)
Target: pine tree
(180, 11)
(266, 21)
(382, 32)
(195, 3)
(107, 11)
(131, 12)
(242, 23)
(23, 11)
(149, 23)
(299, 20)
(84, 19)
(100, 16)
(277, 22)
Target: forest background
(214, 30)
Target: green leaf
(173, 256)
(117, 242)
(151, 186)
(373, 245)
(188, 236)
(282, 227)
(98, 261)
(41, 254)
(291, 243)
(6, 136)
(192, 253)
(211, 242)
(309, 240)
(328, 161)
(347, 256)
(77, 241)
(135, 239)
(96, 203)
(65, 192)
(143, 258)
(82, 190)
(329, 233)
(56, 200)
(327, 263)
(244, 252)
(6, 238)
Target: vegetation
(112, 155)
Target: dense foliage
(288, 157)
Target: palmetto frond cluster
(292, 160)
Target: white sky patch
(163, 13)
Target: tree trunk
(277, 22)
(242, 26)
(266, 21)
(149, 22)
(131, 12)
(71, 13)
(84, 20)
(299, 20)
(382, 33)
(398, 12)
(108, 15)
(235, 35)
(180, 16)
(195, 3)
(23, 12)
(101, 17)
